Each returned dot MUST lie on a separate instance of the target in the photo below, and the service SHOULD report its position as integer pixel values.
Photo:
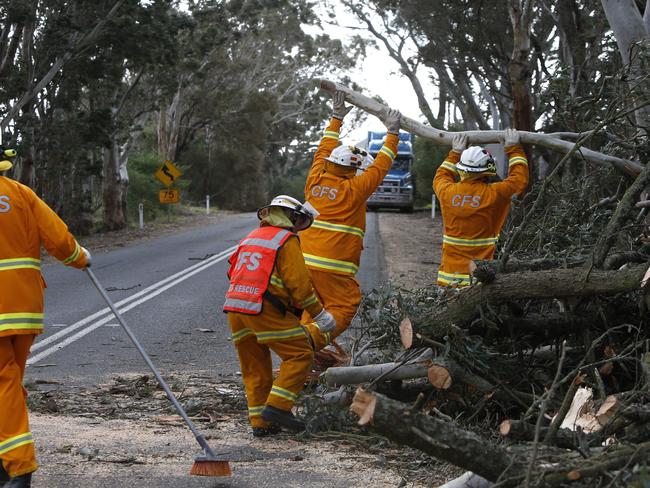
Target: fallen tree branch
(354, 375)
(443, 138)
(431, 435)
(464, 306)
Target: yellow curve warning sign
(168, 173)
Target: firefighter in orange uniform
(473, 210)
(26, 222)
(332, 245)
(269, 288)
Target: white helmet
(350, 156)
(475, 159)
(301, 216)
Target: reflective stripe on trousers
(345, 267)
(458, 279)
(16, 441)
(459, 241)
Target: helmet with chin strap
(476, 159)
(350, 156)
(301, 216)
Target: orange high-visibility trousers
(340, 295)
(16, 444)
(254, 337)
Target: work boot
(282, 417)
(24, 481)
(266, 431)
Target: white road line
(68, 330)
(187, 273)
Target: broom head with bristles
(208, 466)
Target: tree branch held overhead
(444, 138)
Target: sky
(378, 74)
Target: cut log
(518, 430)
(443, 138)
(354, 375)
(463, 306)
(406, 332)
(431, 435)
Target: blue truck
(397, 189)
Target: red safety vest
(251, 266)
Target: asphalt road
(168, 289)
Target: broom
(209, 464)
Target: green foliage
(428, 156)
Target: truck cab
(397, 190)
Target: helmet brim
(303, 221)
(472, 169)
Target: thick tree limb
(436, 437)
(443, 138)
(464, 306)
(484, 270)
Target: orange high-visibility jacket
(335, 240)
(473, 213)
(26, 222)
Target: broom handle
(199, 438)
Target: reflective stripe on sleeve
(282, 393)
(20, 263)
(309, 301)
(387, 152)
(277, 281)
(453, 278)
(21, 321)
(330, 134)
(74, 255)
(517, 160)
(241, 334)
(457, 241)
(17, 441)
(279, 335)
(330, 264)
(348, 229)
(450, 166)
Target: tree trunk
(629, 29)
(115, 186)
(520, 71)
(169, 126)
(443, 138)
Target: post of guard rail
(141, 214)
(433, 206)
(207, 205)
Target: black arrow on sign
(165, 171)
